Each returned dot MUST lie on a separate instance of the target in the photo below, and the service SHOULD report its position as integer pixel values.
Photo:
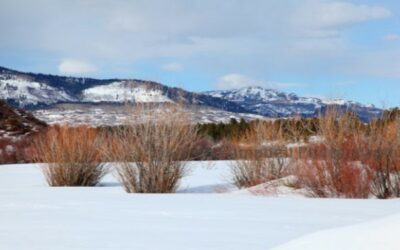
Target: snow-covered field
(207, 213)
(112, 115)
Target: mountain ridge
(40, 91)
(273, 103)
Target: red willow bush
(15, 150)
(7, 151)
(333, 172)
(332, 168)
(354, 160)
(381, 153)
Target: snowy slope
(371, 235)
(122, 91)
(34, 216)
(30, 92)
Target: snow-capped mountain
(272, 103)
(39, 91)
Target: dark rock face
(16, 122)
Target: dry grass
(152, 151)
(261, 158)
(70, 156)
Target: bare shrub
(202, 150)
(224, 150)
(70, 156)
(261, 157)
(332, 168)
(297, 129)
(153, 149)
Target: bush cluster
(150, 155)
(354, 160)
(350, 159)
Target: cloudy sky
(324, 48)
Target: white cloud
(283, 85)
(75, 67)
(392, 37)
(288, 36)
(235, 81)
(335, 14)
(128, 30)
(173, 67)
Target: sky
(323, 48)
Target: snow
(335, 102)
(207, 213)
(376, 234)
(277, 188)
(122, 91)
